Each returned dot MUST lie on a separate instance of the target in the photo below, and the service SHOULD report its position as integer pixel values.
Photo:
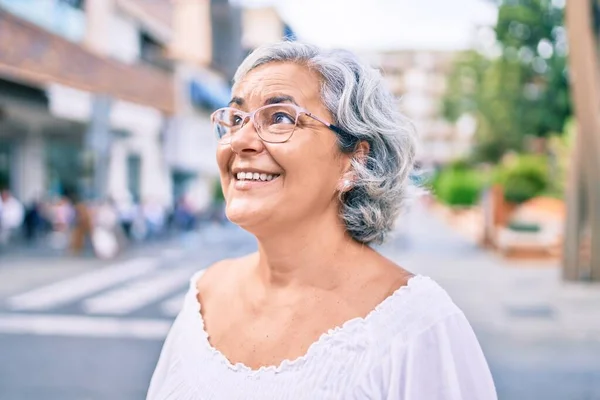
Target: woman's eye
(236, 120)
(282, 118)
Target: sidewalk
(44, 249)
(24, 267)
(526, 298)
(540, 335)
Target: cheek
(223, 157)
(311, 165)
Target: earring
(347, 184)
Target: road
(83, 330)
(80, 329)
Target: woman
(314, 161)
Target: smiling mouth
(255, 176)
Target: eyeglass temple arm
(348, 140)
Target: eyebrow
(236, 100)
(271, 100)
(280, 99)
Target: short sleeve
(444, 362)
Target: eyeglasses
(274, 123)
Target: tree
(520, 91)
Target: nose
(246, 140)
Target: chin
(247, 215)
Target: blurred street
(77, 328)
(110, 197)
(80, 328)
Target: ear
(362, 152)
(349, 177)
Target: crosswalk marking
(172, 306)
(63, 292)
(137, 294)
(99, 327)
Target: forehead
(279, 78)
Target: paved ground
(76, 329)
(541, 336)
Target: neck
(317, 253)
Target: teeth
(255, 176)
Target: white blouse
(415, 345)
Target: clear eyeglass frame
(269, 122)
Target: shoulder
(420, 322)
(423, 337)
(413, 309)
(220, 275)
(383, 276)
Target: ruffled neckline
(349, 330)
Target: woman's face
(307, 168)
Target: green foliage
(460, 165)
(519, 189)
(463, 90)
(458, 185)
(524, 90)
(523, 178)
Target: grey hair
(361, 104)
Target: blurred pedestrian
(127, 211)
(62, 216)
(32, 223)
(155, 217)
(11, 216)
(82, 226)
(107, 236)
(184, 217)
(314, 160)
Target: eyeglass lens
(273, 123)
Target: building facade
(84, 100)
(203, 77)
(418, 79)
(112, 98)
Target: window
(5, 162)
(63, 165)
(153, 53)
(134, 167)
(65, 18)
(78, 4)
(226, 37)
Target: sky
(385, 24)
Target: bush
(520, 189)
(523, 178)
(458, 186)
